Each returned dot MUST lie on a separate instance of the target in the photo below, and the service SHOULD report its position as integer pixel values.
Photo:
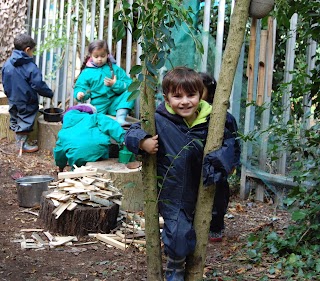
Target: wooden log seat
(128, 181)
(47, 133)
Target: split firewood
(61, 240)
(30, 229)
(75, 174)
(134, 241)
(49, 236)
(111, 241)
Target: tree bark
(203, 214)
(149, 179)
(13, 14)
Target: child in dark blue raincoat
(181, 132)
(222, 194)
(22, 82)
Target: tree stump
(80, 221)
(128, 181)
(3, 98)
(5, 131)
(47, 133)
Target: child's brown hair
(182, 78)
(96, 44)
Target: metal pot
(52, 114)
(29, 189)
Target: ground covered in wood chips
(96, 261)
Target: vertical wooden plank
(262, 67)
(290, 57)
(250, 110)
(270, 45)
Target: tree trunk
(149, 172)
(203, 214)
(13, 14)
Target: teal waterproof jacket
(106, 99)
(85, 137)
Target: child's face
(184, 104)
(99, 57)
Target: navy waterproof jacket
(22, 82)
(179, 160)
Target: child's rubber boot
(29, 148)
(121, 116)
(23, 146)
(215, 236)
(175, 269)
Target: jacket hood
(19, 58)
(204, 110)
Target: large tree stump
(47, 133)
(128, 181)
(80, 221)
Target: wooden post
(251, 57)
(262, 67)
(266, 113)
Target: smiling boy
(182, 127)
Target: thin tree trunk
(149, 179)
(203, 214)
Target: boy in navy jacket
(181, 131)
(22, 82)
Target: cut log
(3, 97)
(5, 131)
(47, 134)
(128, 181)
(80, 221)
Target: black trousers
(220, 206)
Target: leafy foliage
(295, 251)
(152, 26)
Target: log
(47, 134)
(128, 181)
(3, 98)
(5, 131)
(80, 221)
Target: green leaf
(298, 215)
(292, 258)
(133, 95)
(136, 69)
(134, 86)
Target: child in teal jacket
(106, 84)
(85, 136)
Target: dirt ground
(97, 262)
